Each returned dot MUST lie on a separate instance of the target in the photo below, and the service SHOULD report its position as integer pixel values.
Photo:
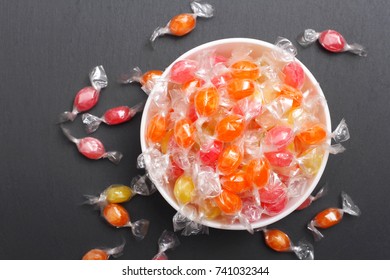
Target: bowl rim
(269, 219)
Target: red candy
(294, 75)
(332, 41)
(279, 137)
(279, 158)
(87, 97)
(211, 156)
(183, 71)
(92, 148)
(112, 116)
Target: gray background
(47, 48)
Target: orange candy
(245, 69)
(236, 182)
(258, 172)
(228, 202)
(188, 88)
(328, 218)
(277, 240)
(240, 88)
(95, 254)
(292, 93)
(229, 128)
(116, 215)
(184, 133)
(156, 128)
(313, 135)
(182, 24)
(206, 101)
(229, 160)
(150, 75)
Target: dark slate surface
(46, 50)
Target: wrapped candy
(120, 193)
(331, 40)
(104, 253)
(167, 241)
(312, 198)
(332, 216)
(183, 24)
(147, 79)
(188, 226)
(118, 216)
(113, 116)
(92, 148)
(279, 241)
(87, 97)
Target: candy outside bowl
(258, 47)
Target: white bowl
(224, 47)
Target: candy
(331, 40)
(236, 182)
(92, 148)
(229, 202)
(156, 128)
(229, 128)
(188, 225)
(118, 216)
(104, 254)
(183, 24)
(112, 116)
(229, 159)
(184, 133)
(245, 70)
(332, 216)
(167, 241)
(258, 172)
(120, 193)
(206, 101)
(278, 137)
(147, 79)
(293, 75)
(280, 242)
(210, 155)
(240, 88)
(308, 201)
(87, 97)
(183, 189)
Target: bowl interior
(225, 47)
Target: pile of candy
(234, 136)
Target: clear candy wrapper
(113, 116)
(183, 24)
(167, 241)
(117, 216)
(120, 193)
(87, 97)
(279, 241)
(188, 226)
(332, 216)
(104, 253)
(92, 148)
(331, 40)
(323, 191)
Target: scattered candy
(238, 149)
(312, 198)
(331, 40)
(332, 216)
(147, 79)
(168, 240)
(279, 241)
(120, 193)
(118, 216)
(183, 24)
(87, 97)
(112, 116)
(92, 148)
(104, 254)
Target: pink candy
(279, 137)
(183, 71)
(294, 75)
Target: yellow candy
(183, 189)
(209, 209)
(165, 141)
(118, 193)
(311, 161)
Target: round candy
(95, 255)
(258, 172)
(229, 202)
(277, 240)
(240, 88)
(245, 70)
(236, 182)
(118, 194)
(184, 133)
(118, 115)
(279, 158)
(156, 128)
(332, 41)
(230, 127)
(183, 189)
(279, 137)
(85, 99)
(313, 135)
(91, 148)
(116, 215)
(183, 71)
(209, 209)
(292, 93)
(328, 218)
(211, 156)
(206, 101)
(229, 160)
(293, 75)
(182, 24)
